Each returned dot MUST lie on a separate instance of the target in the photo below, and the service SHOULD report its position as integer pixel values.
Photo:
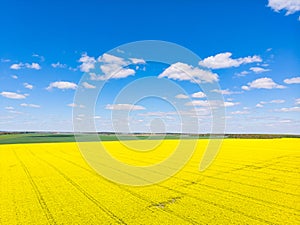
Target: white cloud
(30, 105)
(124, 107)
(28, 86)
(199, 94)
(58, 65)
(246, 88)
(182, 96)
(137, 61)
(88, 63)
(297, 101)
(113, 67)
(205, 103)
(224, 60)
(111, 59)
(240, 112)
(292, 109)
(159, 114)
(62, 85)
(223, 92)
(258, 69)
(14, 77)
(73, 105)
(9, 108)
(42, 58)
(35, 66)
(242, 74)
(229, 104)
(122, 73)
(181, 71)
(18, 66)
(88, 86)
(293, 80)
(277, 101)
(285, 121)
(15, 112)
(12, 95)
(262, 83)
(290, 6)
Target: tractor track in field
(224, 207)
(278, 160)
(252, 167)
(249, 167)
(232, 193)
(127, 190)
(80, 189)
(41, 200)
(246, 184)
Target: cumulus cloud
(182, 96)
(290, 6)
(9, 108)
(224, 60)
(206, 103)
(35, 66)
(124, 107)
(40, 57)
(114, 67)
(262, 83)
(58, 65)
(88, 63)
(203, 103)
(73, 105)
(259, 70)
(229, 104)
(88, 86)
(12, 95)
(293, 80)
(159, 114)
(62, 85)
(181, 71)
(14, 77)
(242, 74)
(297, 101)
(28, 86)
(111, 59)
(277, 101)
(223, 92)
(199, 94)
(30, 105)
(137, 61)
(291, 109)
(18, 66)
(238, 112)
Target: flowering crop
(250, 182)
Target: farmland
(250, 182)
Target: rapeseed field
(250, 182)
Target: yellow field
(250, 182)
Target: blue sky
(252, 47)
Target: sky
(51, 50)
